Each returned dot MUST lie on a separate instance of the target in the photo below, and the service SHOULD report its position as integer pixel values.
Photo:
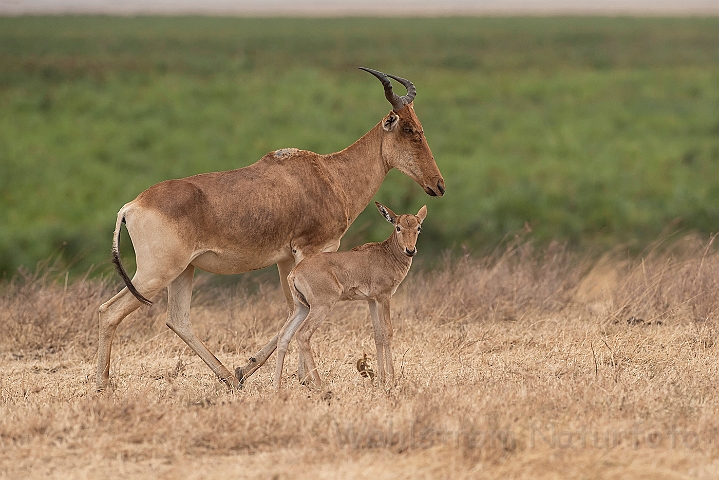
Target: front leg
(382, 325)
(377, 328)
(387, 326)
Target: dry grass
(522, 364)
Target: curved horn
(395, 100)
(411, 90)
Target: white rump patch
(285, 152)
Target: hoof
(102, 387)
(308, 382)
(239, 373)
(232, 383)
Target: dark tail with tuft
(118, 263)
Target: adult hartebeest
(289, 204)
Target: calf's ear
(388, 214)
(422, 214)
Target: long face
(405, 148)
(406, 228)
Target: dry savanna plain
(526, 363)
(532, 359)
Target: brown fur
(290, 204)
(370, 272)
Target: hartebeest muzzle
(437, 190)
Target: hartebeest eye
(398, 229)
(407, 129)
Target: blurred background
(591, 124)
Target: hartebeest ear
(388, 214)
(422, 214)
(390, 121)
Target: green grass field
(594, 131)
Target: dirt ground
(522, 365)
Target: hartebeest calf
(289, 204)
(370, 272)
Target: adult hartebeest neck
(358, 171)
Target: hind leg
(111, 314)
(382, 324)
(301, 314)
(114, 311)
(306, 329)
(179, 295)
(284, 268)
(308, 374)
